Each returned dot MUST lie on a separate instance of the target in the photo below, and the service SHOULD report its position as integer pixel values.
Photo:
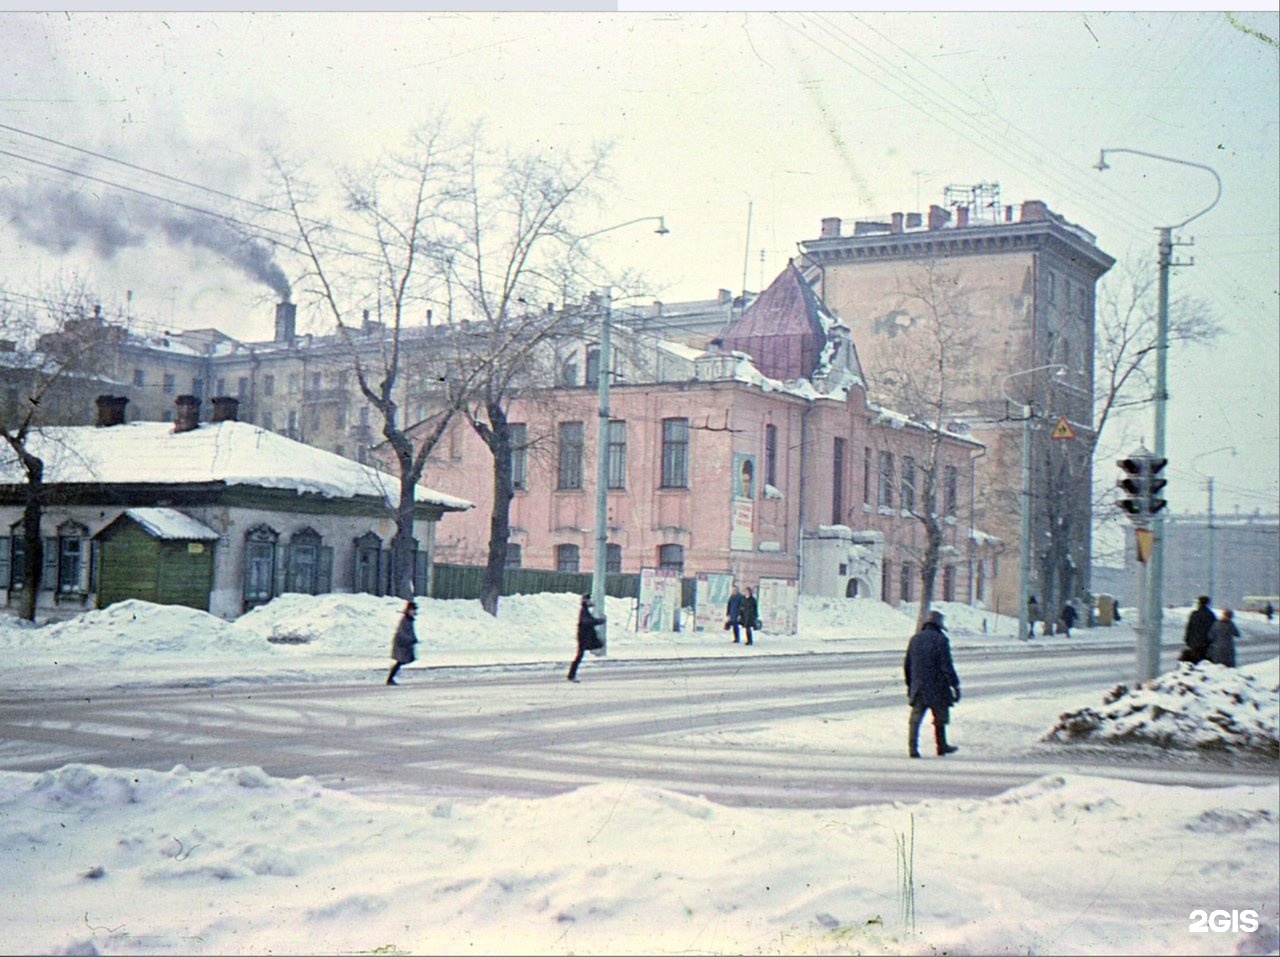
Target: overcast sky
(743, 129)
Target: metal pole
(1024, 545)
(1155, 583)
(1211, 554)
(1144, 668)
(602, 468)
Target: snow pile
(1203, 707)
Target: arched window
(367, 572)
(671, 557)
(308, 564)
(259, 565)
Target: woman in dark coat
(748, 612)
(402, 644)
(1222, 640)
(588, 640)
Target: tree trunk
(500, 516)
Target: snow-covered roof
(170, 524)
(233, 453)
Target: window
(569, 372)
(221, 387)
(139, 377)
(613, 559)
(308, 564)
(592, 375)
(885, 499)
(197, 388)
(885, 578)
(866, 475)
(908, 484)
(1052, 293)
(519, 433)
(267, 421)
(242, 387)
(259, 565)
(364, 416)
(671, 558)
(949, 583)
(837, 482)
(317, 381)
(771, 455)
(566, 558)
(340, 417)
(268, 385)
(293, 383)
(569, 474)
(980, 582)
(369, 564)
(169, 384)
(904, 583)
(949, 483)
(617, 458)
(292, 431)
(675, 453)
(515, 557)
(70, 551)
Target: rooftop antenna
(746, 254)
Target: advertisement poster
(742, 505)
(710, 596)
(659, 599)
(779, 601)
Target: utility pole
(1155, 597)
(1211, 553)
(603, 373)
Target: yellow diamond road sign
(1062, 430)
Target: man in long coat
(1196, 635)
(932, 683)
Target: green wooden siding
(135, 565)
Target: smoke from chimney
(61, 218)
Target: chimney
(186, 413)
(962, 217)
(938, 217)
(896, 223)
(286, 321)
(225, 408)
(1034, 209)
(830, 228)
(111, 410)
(914, 220)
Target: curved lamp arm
(1102, 165)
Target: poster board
(659, 599)
(742, 503)
(779, 603)
(710, 596)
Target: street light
(1024, 543)
(1209, 480)
(602, 436)
(1155, 596)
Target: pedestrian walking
(1196, 635)
(932, 683)
(749, 615)
(1269, 610)
(732, 614)
(1068, 618)
(588, 639)
(1033, 615)
(402, 650)
(1222, 640)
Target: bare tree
(380, 254)
(921, 378)
(58, 346)
(512, 248)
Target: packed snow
(232, 860)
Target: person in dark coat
(1033, 615)
(1068, 617)
(748, 612)
(402, 644)
(1222, 640)
(732, 614)
(588, 640)
(932, 683)
(1196, 636)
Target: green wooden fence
(464, 581)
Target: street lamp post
(1155, 597)
(1024, 538)
(603, 373)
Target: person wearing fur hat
(402, 643)
(932, 683)
(588, 639)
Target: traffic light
(1142, 483)
(1155, 482)
(1134, 485)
